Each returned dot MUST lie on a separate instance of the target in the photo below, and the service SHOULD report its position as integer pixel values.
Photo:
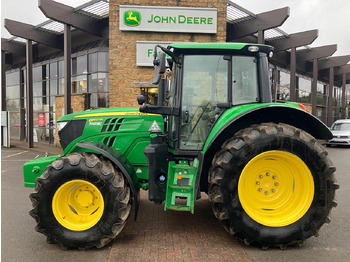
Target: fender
(235, 120)
(120, 161)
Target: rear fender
(268, 113)
(120, 161)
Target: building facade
(112, 69)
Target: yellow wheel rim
(78, 205)
(276, 188)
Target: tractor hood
(103, 125)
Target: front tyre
(81, 201)
(272, 185)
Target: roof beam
(13, 47)
(65, 14)
(294, 40)
(345, 69)
(333, 62)
(316, 53)
(29, 32)
(262, 21)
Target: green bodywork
(130, 139)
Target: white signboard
(145, 52)
(168, 19)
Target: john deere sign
(132, 18)
(168, 19)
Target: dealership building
(100, 55)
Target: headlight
(61, 125)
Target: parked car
(341, 133)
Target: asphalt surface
(159, 235)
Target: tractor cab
(202, 81)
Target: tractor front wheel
(81, 201)
(272, 185)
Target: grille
(109, 140)
(111, 124)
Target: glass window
(79, 84)
(82, 65)
(93, 63)
(93, 83)
(12, 92)
(103, 61)
(13, 105)
(102, 99)
(12, 78)
(37, 74)
(61, 86)
(53, 70)
(204, 85)
(37, 89)
(37, 104)
(79, 65)
(53, 87)
(45, 103)
(103, 82)
(52, 103)
(304, 97)
(60, 69)
(305, 84)
(74, 66)
(93, 100)
(14, 125)
(244, 80)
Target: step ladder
(181, 186)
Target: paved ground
(159, 235)
(176, 236)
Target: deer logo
(132, 18)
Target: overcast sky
(330, 17)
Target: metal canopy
(293, 40)
(316, 52)
(333, 62)
(13, 47)
(31, 33)
(67, 15)
(345, 69)
(259, 23)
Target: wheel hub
(267, 183)
(276, 188)
(78, 205)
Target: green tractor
(215, 130)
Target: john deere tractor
(215, 129)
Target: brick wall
(124, 74)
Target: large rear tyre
(272, 185)
(81, 201)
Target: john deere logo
(132, 18)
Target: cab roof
(211, 47)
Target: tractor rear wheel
(81, 201)
(272, 185)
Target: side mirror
(159, 67)
(141, 99)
